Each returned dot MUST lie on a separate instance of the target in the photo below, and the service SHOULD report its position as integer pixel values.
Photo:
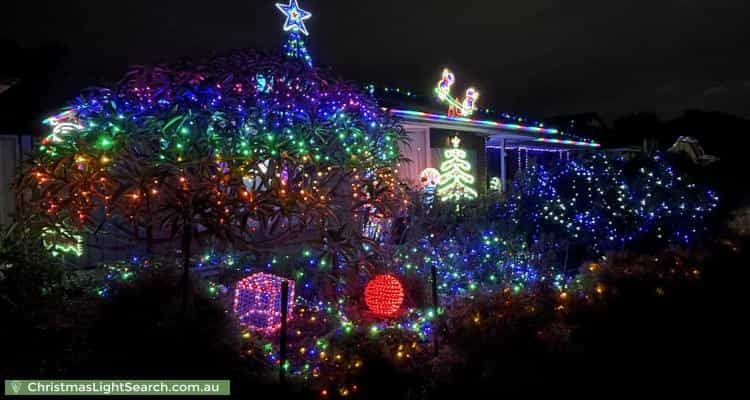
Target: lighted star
(295, 17)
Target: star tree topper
(295, 17)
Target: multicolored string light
(431, 117)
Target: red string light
(384, 295)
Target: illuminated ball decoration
(257, 302)
(384, 295)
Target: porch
(488, 144)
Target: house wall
(417, 152)
(9, 160)
(13, 148)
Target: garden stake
(282, 335)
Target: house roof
(519, 133)
(7, 83)
(419, 110)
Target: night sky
(534, 57)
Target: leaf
(171, 122)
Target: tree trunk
(149, 230)
(187, 239)
(150, 241)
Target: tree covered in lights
(456, 180)
(670, 207)
(606, 203)
(251, 149)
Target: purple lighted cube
(257, 302)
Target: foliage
(474, 260)
(607, 203)
(251, 151)
(740, 221)
(43, 305)
(27, 272)
(130, 332)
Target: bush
(143, 330)
(42, 305)
(606, 203)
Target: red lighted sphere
(384, 295)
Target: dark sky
(534, 57)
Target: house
(496, 145)
(6, 83)
(692, 149)
(12, 146)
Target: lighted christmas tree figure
(294, 24)
(456, 181)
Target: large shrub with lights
(606, 203)
(480, 259)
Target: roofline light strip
(494, 124)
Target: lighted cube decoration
(257, 302)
